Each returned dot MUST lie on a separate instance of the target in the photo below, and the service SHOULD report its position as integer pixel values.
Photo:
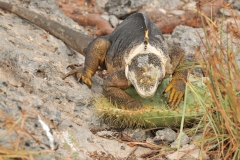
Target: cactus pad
(156, 112)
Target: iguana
(135, 53)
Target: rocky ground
(49, 113)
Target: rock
(122, 8)
(105, 16)
(137, 134)
(166, 135)
(189, 39)
(32, 64)
(191, 6)
(106, 134)
(177, 12)
(236, 5)
(163, 10)
(78, 139)
(184, 140)
(196, 137)
(175, 156)
(150, 140)
(101, 3)
(187, 152)
(170, 4)
(113, 20)
(229, 13)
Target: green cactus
(155, 112)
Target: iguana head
(145, 72)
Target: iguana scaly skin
(135, 53)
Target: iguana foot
(83, 75)
(177, 90)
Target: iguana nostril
(151, 87)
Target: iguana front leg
(177, 88)
(113, 88)
(177, 85)
(95, 56)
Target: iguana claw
(83, 75)
(177, 90)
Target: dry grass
(221, 123)
(16, 127)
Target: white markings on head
(140, 49)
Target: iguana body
(134, 54)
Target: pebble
(177, 12)
(106, 133)
(105, 16)
(190, 6)
(236, 5)
(170, 4)
(162, 10)
(150, 140)
(166, 135)
(113, 20)
(137, 134)
(229, 13)
(187, 152)
(184, 140)
(196, 137)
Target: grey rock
(167, 135)
(189, 39)
(32, 64)
(106, 134)
(105, 16)
(113, 20)
(81, 140)
(229, 13)
(232, 1)
(184, 140)
(236, 5)
(150, 140)
(187, 152)
(137, 134)
(101, 3)
(16, 103)
(167, 5)
(122, 8)
(175, 156)
(196, 137)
